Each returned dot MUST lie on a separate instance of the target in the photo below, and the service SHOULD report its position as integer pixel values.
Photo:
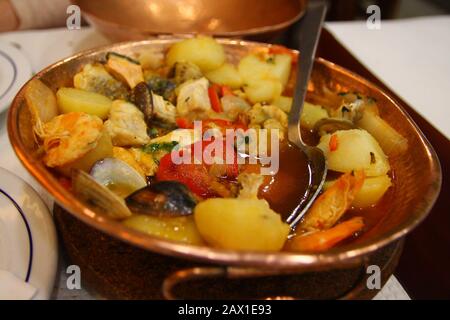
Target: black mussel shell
(163, 198)
(142, 98)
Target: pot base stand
(112, 269)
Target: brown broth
(287, 187)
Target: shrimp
(318, 241)
(68, 137)
(333, 203)
(318, 231)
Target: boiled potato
(252, 67)
(281, 68)
(389, 139)
(240, 224)
(311, 114)
(227, 75)
(276, 67)
(103, 149)
(75, 100)
(354, 150)
(181, 229)
(284, 103)
(263, 90)
(203, 51)
(151, 59)
(372, 191)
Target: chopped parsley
(270, 60)
(152, 132)
(156, 147)
(121, 56)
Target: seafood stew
(113, 137)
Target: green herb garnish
(156, 147)
(152, 132)
(121, 56)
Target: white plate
(15, 70)
(28, 243)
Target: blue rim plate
(28, 242)
(15, 70)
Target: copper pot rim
(339, 256)
(223, 34)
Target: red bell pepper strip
(333, 144)
(214, 99)
(184, 123)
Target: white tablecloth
(411, 56)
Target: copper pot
(122, 20)
(416, 186)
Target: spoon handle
(308, 38)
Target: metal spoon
(311, 25)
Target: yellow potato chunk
(180, 229)
(227, 75)
(354, 150)
(284, 103)
(264, 90)
(311, 114)
(75, 100)
(275, 67)
(240, 224)
(281, 67)
(203, 51)
(253, 67)
(372, 191)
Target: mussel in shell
(164, 198)
(142, 98)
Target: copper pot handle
(196, 273)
